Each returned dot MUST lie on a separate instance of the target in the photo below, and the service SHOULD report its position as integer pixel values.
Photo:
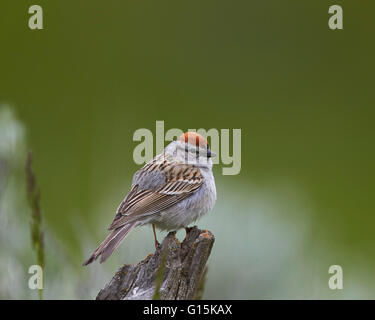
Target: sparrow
(171, 191)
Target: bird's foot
(187, 230)
(157, 244)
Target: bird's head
(192, 148)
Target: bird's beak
(210, 154)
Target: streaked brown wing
(182, 181)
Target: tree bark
(174, 272)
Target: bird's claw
(157, 244)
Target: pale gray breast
(204, 199)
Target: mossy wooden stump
(174, 272)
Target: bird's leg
(157, 244)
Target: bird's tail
(110, 243)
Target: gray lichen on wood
(183, 267)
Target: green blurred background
(303, 95)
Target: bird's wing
(160, 184)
